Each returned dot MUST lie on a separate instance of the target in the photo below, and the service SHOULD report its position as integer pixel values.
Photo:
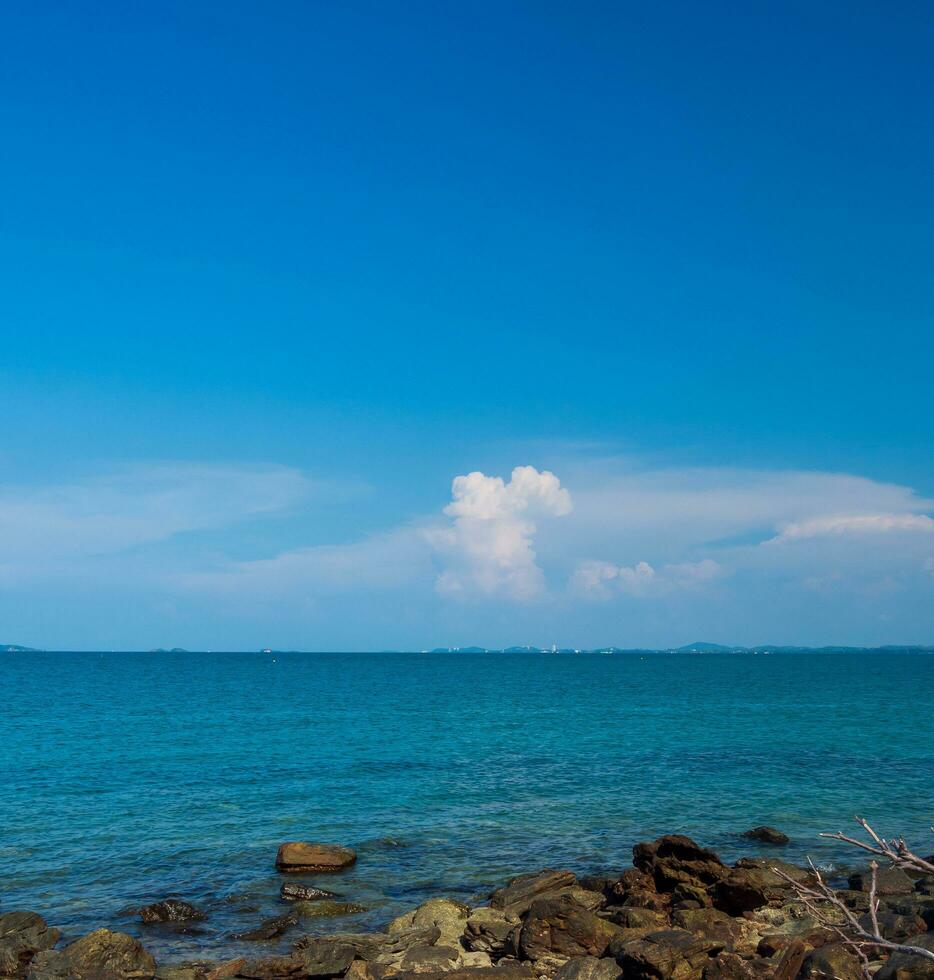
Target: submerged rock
(269, 928)
(100, 955)
(293, 891)
(22, 935)
(170, 910)
(766, 835)
(302, 856)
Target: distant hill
(701, 647)
(15, 648)
(173, 650)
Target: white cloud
(840, 524)
(603, 580)
(488, 549)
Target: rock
(100, 955)
(169, 910)
(909, 966)
(831, 962)
(492, 931)
(225, 970)
(301, 856)
(747, 889)
(269, 928)
(325, 910)
(603, 883)
(773, 864)
(517, 896)
(766, 835)
(374, 947)
(560, 925)
(712, 924)
(273, 968)
(634, 917)
(427, 959)
(673, 954)
(449, 916)
(630, 880)
(889, 881)
(508, 971)
(925, 886)
(589, 968)
(894, 926)
(22, 935)
(732, 966)
(684, 893)
(293, 891)
(676, 858)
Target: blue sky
(274, 277)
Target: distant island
(698, 647)
(15, 648)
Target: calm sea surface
(129, 777)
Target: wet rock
(831, 962)
(100, 955)
(170, 910)
(910, 966)
(673, 954)
(273, 968)
(746, 889)
(22, 935)
(449, 916)
(269, 928)
(561, 926)
(889, 881)
(302, 856)
(589, 968)
(518, 895)
(492, 931)
(326, 910)
(293, 891)
(766, 835)
(675, 858)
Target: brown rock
(492, 931)
(511, 971)
(561, 926)
(909, 966)
(22, 935)
(100, 955)
(517, 896)
(766, 835)
(710, 924)
(589, 968)
(747, 889)
(831, 962)
(169, 910)
(269, 928)
(889, 881)
(673, 954)
(301, 856)
(675, 858)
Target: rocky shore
(679, 913)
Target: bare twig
(895, 851)
(817, 897)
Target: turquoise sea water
(130, 777)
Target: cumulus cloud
(488, 548)
(840, 524)
(604, 580)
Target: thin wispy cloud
(839, 524)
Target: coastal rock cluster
(679, 913)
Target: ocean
(130, 777)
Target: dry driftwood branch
(896, 851)
(824, 904)
(821, 901)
